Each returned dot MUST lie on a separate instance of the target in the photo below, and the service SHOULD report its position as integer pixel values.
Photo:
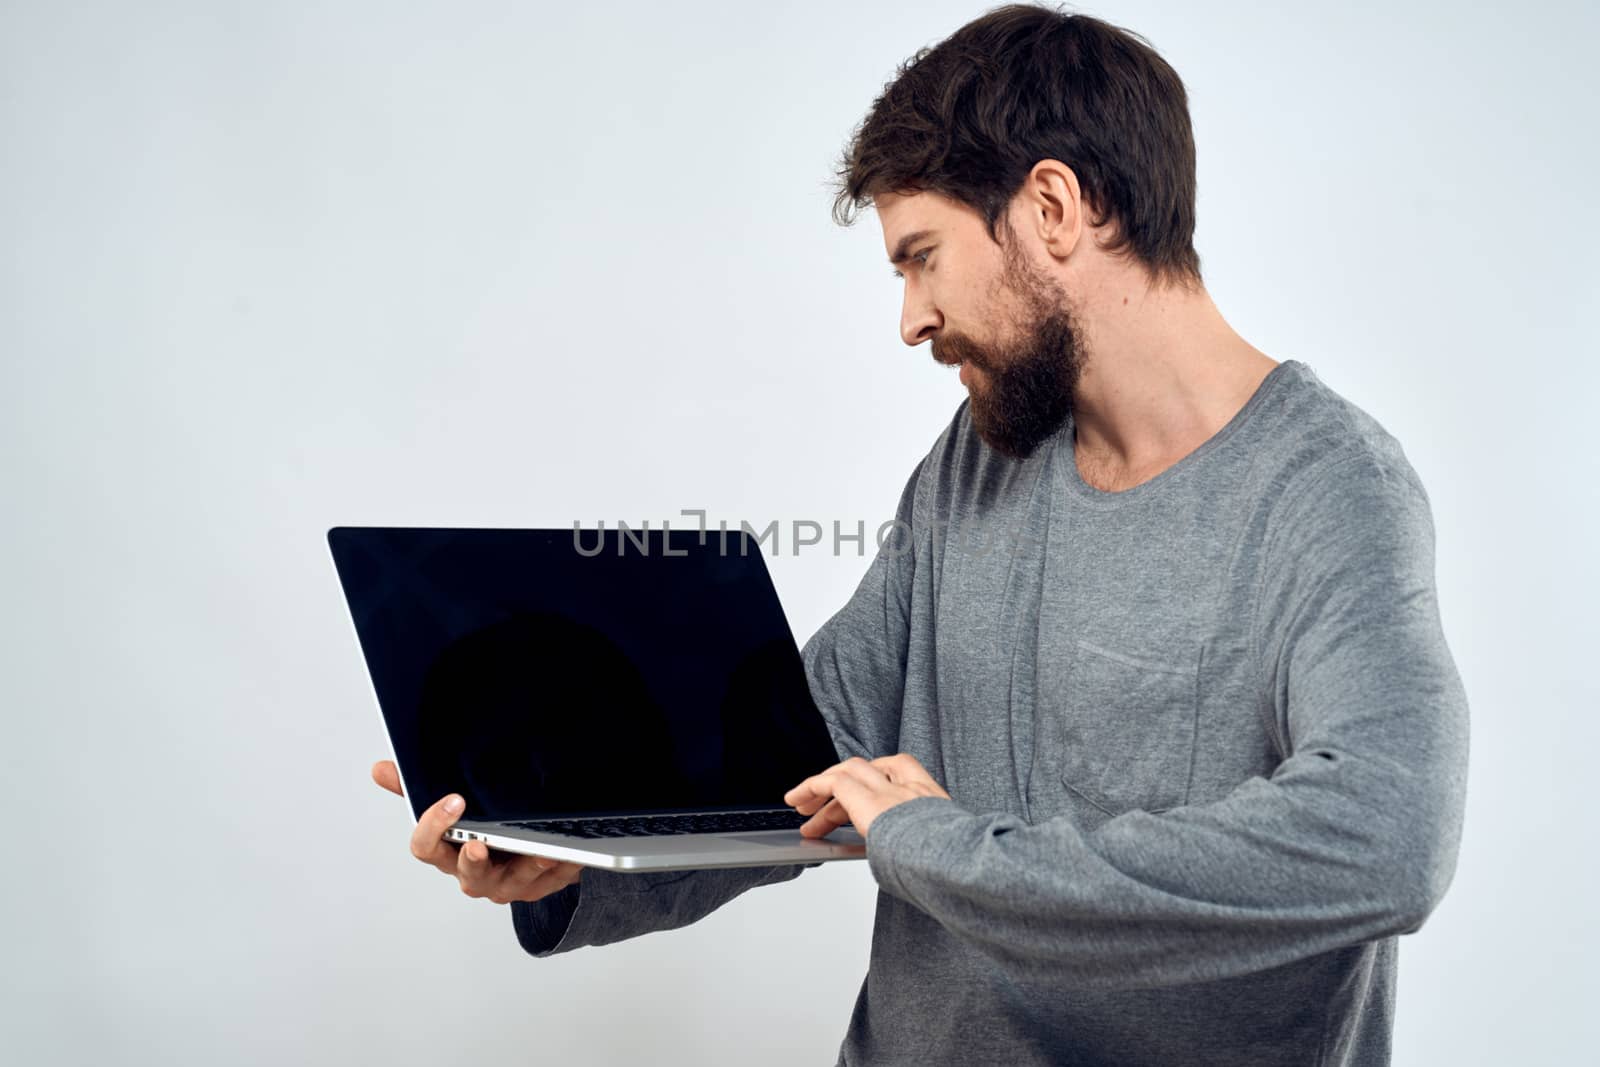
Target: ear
(1053, 207)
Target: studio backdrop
(272, 268)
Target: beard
(1022, 394)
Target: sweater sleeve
(855, 669)
(606, 906)
(1353, 837)
(856, 662)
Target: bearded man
(1150, 724)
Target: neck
(1164, 372)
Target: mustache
(951, 353)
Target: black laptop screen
(561, 672)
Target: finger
(801, 794)
(832, 816)
(851, 793)
(810, 795)
(815, 801)
(862, 772)
(817, 788)
(387, 775)
(526, 878)
(805, 794)
(564, 874)
(427, 840)
(806, 790)
(475, 871)
(532, 878)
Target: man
(1150, 725)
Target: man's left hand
(858, 791)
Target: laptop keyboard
(658, 825)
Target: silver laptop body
(627, 699)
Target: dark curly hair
(970, 117)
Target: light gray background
(271, 268)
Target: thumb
(385, 774)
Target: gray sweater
(1204, 742)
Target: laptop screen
(581, 672)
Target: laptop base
(669, 852)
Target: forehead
(901, 213)
(909, 218)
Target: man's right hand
(500, 877)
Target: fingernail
(453, 804)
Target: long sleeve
(856, 662)
(606, 906)
(855, 668)
(1353, 837)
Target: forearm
(1280, 870)
(604, 906)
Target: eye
(920, 257)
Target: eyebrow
(902, 251)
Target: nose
(918, 322)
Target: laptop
(627, 699)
